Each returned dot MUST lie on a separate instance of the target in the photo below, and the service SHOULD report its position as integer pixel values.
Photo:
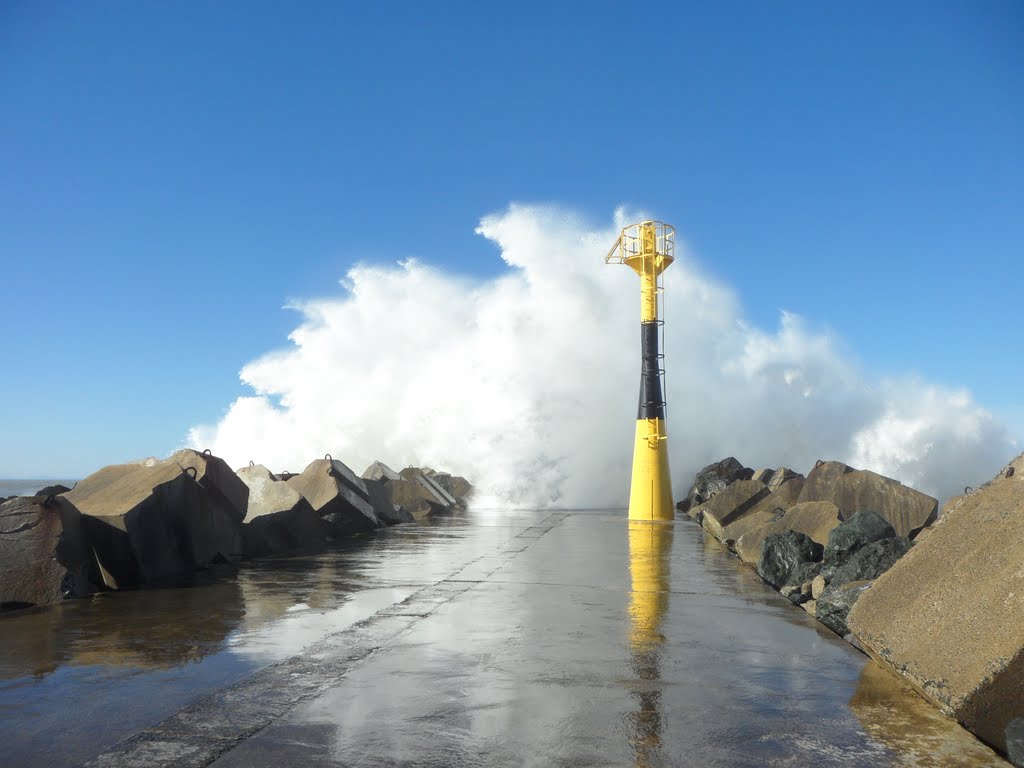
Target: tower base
(650, 495)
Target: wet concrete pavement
(525, 639)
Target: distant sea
(29, 487)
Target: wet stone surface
(567, 639)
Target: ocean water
(28, 487)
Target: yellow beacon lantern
(648, 248)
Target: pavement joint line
(202, 731)
(599, 587)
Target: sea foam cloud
(527, 382)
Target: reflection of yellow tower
(649, 548)
(647, 248)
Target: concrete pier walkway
(557, 639)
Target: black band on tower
(652, 399)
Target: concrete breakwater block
(416, 492)
(338, 495)
(818, 486)
(783, 484)
(730, 508)
(813, 518)
(380, 481)
(278, 517)
(155, 521)
(455, 486)
(380, 471)
(430, 485)
(949, 616)
(857, 490)
(419, 485)
(734, 510)
(217, 478)
(387, 511)
(44, 555)
(712, 479)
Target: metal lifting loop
(818, 463)
(967, 489)
(328, 457)
(193, 470)
(252, 463)
(207, 452)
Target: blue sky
(174, 173)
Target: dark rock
(867, 563)
(1015, 738)
(338, 495)
(815, 518)
(835, 603)
(153, 521)
(782, 553)
(793, 593)
(804, 574)
(852, 640)
(279, 518)
(712, 479)
(52, 490)
(862, 565)
(855, 532)
(44, 555)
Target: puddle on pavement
(81, 675)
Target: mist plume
(526, 383)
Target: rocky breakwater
(819, 539)
(938, 599)
(159, 521)
(949, 617)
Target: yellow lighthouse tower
(648, 248)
